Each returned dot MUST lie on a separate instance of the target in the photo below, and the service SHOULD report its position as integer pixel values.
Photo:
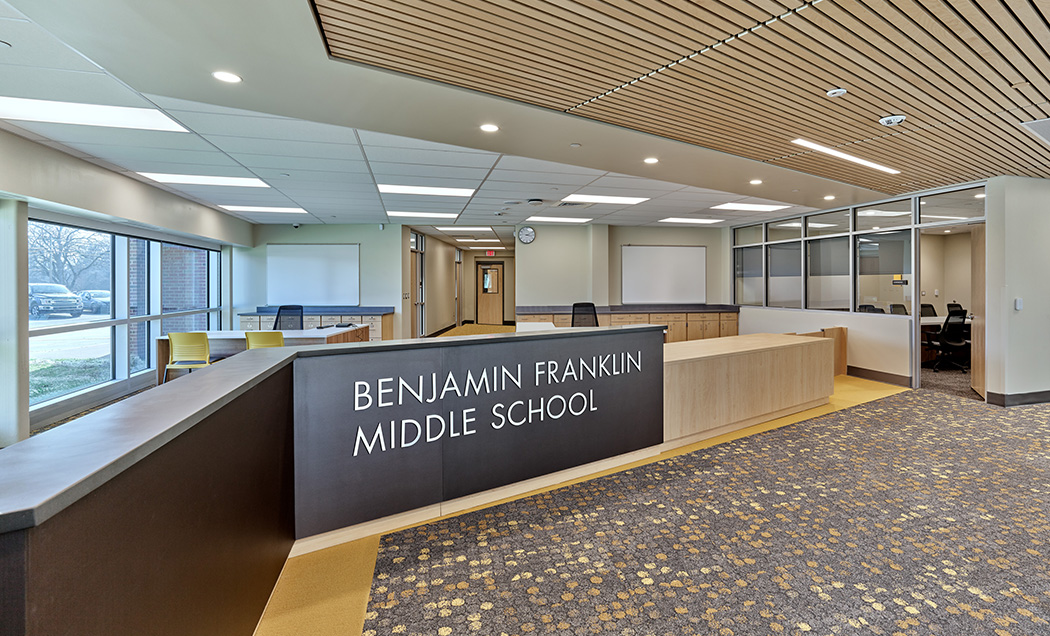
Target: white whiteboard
(663, 274)
(312, 274)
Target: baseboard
(441, 331)
(1018, 399)
(879, 376)
(509, 323)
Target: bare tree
(69, 256)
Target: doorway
(490, 286)
(416, 292)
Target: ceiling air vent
(571, 204)
(1040, 128)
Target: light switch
(936, 292)
(1018, 304)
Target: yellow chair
(260, 339)
(188, 351)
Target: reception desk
(227, 343)
(717, 386)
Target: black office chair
(926, 309)
(866, 308)
(899, 309)
(876, 310)
(584, 315)
(289, 317)
(955, 307)
(950, 342)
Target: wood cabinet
(680, 326)
(727, 325)
(380, 326)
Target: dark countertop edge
(124, 437)
(630, 309)
(337, 310)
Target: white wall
(469, 301)
(957, 257)
(440, 276)
(931, 271)
(875, 342)
(556, 268)
(381, 263)
(717, 261)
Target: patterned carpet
(921, 513)
(951, 381)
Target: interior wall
(556, 268)
(931, 268)
(713, 239)
(957, 257)
(439, 287)
(381, 263)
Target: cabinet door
(727, 325)
(676, 331)
(711, 329)
(249, 323)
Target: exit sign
(490, 252)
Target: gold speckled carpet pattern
(921, 513)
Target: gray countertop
(630, 309)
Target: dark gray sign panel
(382, 432)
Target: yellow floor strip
(326, 592)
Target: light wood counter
(719, 385)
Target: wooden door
(489, 287)
(977, 366)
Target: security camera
(295, 225)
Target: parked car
(51, 298)
(96, 301)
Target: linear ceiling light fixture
(750, 207)
(842, 155)
(51, 112)
(425, 215)
(555, 219)
(478, 240)
(696, 53)
(698, 221)
(200, 179)
(488, 247)
(463, 230)
(594, 198)
(261, 208)
(438, 192)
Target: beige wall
(556, 268)
(439, 285)
(717, 260)
(931, 271)
(510, 273)
(957, 257)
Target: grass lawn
(51, 378)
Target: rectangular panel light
(842, 155)
(86, 114)
(438, 192)
(594, 198)
(813, 225)
(555, 219)
(426, 215)
(698, 221)
(749, 207)
(260, 208)
(200, 179)
(488, 248)
(464, 229)
(882, 213)
(478, 240)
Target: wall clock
(526, 235)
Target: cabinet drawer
(249, 323)
(331, 320)
(701, 317)
(629, 319)
(353, 319)
(663, 319)
(311, 322)
(535, 318)
(562, 320)
(725, 317)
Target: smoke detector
(892, 120)
(535, 202)
(836, 92)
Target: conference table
(227, 343)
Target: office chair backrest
(899, 309)
(953, 331)
(289, 317)
(261, 339)
(877, 310)
(584, 315)
(926, 309)
(954, 307)
(188, 347)
(865, 308)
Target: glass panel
(70, 274)
(138, 346)
(827, 274)
(490, 280)
(952, 206)
(828, 223)
(748, 275)
(785, 275)
(883, 215)
(138, 277)
(62, 363)
(783, 230)
(884, 272)
(192, 322)
(184, 278)
(749, 234)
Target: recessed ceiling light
(749, 207)
(876, 228)
(651, 160)
(478, 240)
(259, 208)
(51, 112)
(836, 92)
(438, 192)
(574, 145)
(464, 229)
(842, 155)
(829, 197)
(226, 76)
(947, 231)
(978, 196)
(489, 127)
(201, 179)
(699, 221)
(555, 219)
(426, 215)
(755, 182)
(594, 198)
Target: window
(184, 278)
(884, 215)
(884, 271)
(785, 275)
(747, 234)
(783, 230)
(747, 264)
(70, 274)
(828, 223)
(960, 205)
(827, 274)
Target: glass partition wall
(858, 259)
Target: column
(14, 321)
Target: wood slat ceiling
(747, 76)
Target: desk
(534, 326)
(937, 321)
(227, 343)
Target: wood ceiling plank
(692, 29)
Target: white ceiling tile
(307, 178)
(383, 170)
(66, 86)
(629, 183)
(508, 162)
(265, 127)
(279, 162)
(72, 135)
(164, 167)
(128, 156)
(369, 138)
(431, 157)
(288, 148)
(548, 179)
(33, 46)
(174, 104)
